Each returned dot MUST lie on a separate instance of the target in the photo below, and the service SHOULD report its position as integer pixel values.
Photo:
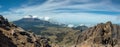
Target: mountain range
(35, 24)
(14, 36)
(58, 33)
(100, 35)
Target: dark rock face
(5, 41)
(5, 24)
(102, 35)
(13, 36)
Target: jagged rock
(5, 24)
(102, 35)
(5, 41)
(13, 36)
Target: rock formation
(102, 35)
(13, 36)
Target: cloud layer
(77, 11)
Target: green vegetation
(61, 36)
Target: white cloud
(30, 16)
(46, 18)
(70, 25)
(51, 5)
(47, 8)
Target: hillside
(61, 36)
(58, 34)
(14, 36)
(101, 35)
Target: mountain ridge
(101, 35)
(32, 24)
(14, 36)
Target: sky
(89, 12)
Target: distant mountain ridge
(58, 34)
(36, 21)
(101, 35)
(32, 24)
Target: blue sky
(87, 12)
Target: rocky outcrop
(102, 35)
(13, 36)
(5, 24)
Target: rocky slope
(102, 35)
(58, 34)
(13, 36)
